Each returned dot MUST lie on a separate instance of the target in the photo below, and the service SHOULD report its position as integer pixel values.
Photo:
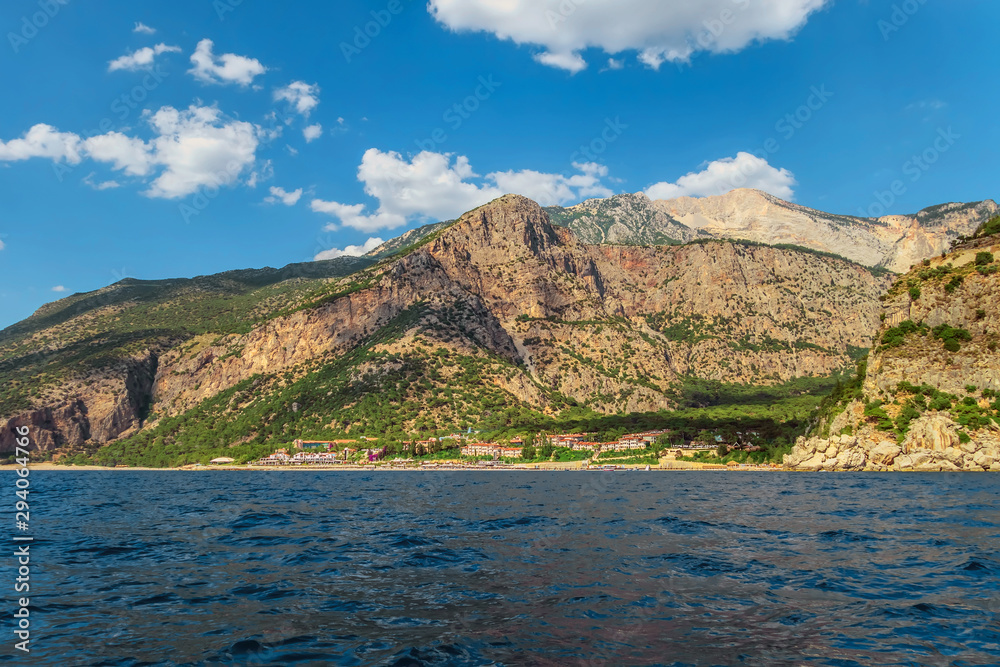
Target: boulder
(928, 466)
(983, 460)
(884, 453)
(935, 433)
(970, 447)
(851, 459)
(952, 456)
(813, 463)
(793, 459)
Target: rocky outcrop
(94, 415)
(866, 452)
(930, 395)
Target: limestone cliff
(894, 242)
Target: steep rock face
(287, 342)
(930, 393)
(970, 305)
(99, 414)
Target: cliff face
(893, 242)
(113, 402)
(929, 400)
(611, 327)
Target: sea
(508, 568)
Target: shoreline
(550, 467)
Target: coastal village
(465, 450)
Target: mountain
(927, 396)
(485, 320)
(892, 242)
(630, 219)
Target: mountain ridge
(544, 322)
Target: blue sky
(144, 139)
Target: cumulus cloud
(552, 189)
(142, 28)
(128, 154)
(721, 176)
(2, 246)
(658, 31)
(302, 96)
(140, 58)
(42, 141)
(198, 148)
(192, 148)
(312, 132)
(225, 68)
(282, 195)
(59, 288)
(439, 187)
(351, 250)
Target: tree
(722, 450)
(528, 452)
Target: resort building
(567, 439)
(491, 449)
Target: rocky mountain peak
(509, 227)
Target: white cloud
(433, 186)
(126, 153)
(223, 69)
(140, 58)
(614, 64)
(659, 31)
(2, 246)
(552, 189)
(285, 197)
(721, 176)
(42, 141)
(312, 132)
(351, 250)
(103, 185)
(198, 149)
(142, 28)
(59, 288)
(303, 97)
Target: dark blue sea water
(511, 568)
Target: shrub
(953, 284)
(915, 292)
(990, 227)
(952, 337)
(896, 336)
(980, 314)
(927, 262)
(971, 389)
(988, 270)
(941, 402)
(984, 258)
(963, 437)
(907, 415)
